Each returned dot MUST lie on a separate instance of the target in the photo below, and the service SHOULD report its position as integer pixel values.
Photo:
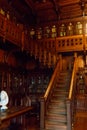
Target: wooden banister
(72, 82)
(51, 82)
(45, 99)
(71, 99)
(11, 31)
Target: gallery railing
(46, 98)
(45, 49)
(71, 101)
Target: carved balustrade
(2, 25)
(69, 43)
(71, 101)
(85, 42)
(46, 98)
(72, 36)
(25, 41)
(13, 33)
(10, 31)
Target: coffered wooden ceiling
(44, 11)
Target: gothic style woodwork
(36, 12)
(44, 34)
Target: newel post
(69, 115)
(23, 35)
(42, 113)
(4, 28)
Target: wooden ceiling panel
(33, 12)
(70, 9)
(68, 15)
(43, 6)
(46, 16)
(67, 2)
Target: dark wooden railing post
(23, 35)
(69, 120)
(0, 121)
(42, 113)
(4, 28)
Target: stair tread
(56, 111)
(55, 100)
(56, 123)
(56, 116)
(56, 127)
(59, 90)
(56, 106)
(59, 95)
(56, 120)
(58, 101)
(59, 118)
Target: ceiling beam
(68, 2)
(31, 6)
(56, 7)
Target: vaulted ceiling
(31, 12)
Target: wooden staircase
(56, 116)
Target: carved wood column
(22, 41)
(5, 23)
(69, 124)
(42, 113)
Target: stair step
(58, 126)
(57, 110)
(55, 117)
(60, 82)
(60, 93)
(63, 74)
(56, 100)
(63, 93)
(60, 85)
(55, 123)
(57, 103)
(63, 79)
(59, 97)
(59, 89)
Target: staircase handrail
(45, 99)
(72, 81)
(71, 100)
(51, 81)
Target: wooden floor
(80, 124)
(80, 121)
(33, 124)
